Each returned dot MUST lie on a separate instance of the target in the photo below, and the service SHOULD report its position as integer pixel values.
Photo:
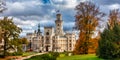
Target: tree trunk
(5, 44)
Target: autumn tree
(114, 18)
(87, 18)
(9, 32)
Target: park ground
(72, 57)
(25, 55)
(80, 57)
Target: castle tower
(59, 25)
(38, 32)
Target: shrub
(1, 56)
(55, 54)
(42, 57)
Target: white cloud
(114, 6)
(28, 13)
(57, 0)
(26, 31)
(22, 22)
(64, 4)
(19, 8)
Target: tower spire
(39, 29)
(58, 15)
(39, 26)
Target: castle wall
(53, 39)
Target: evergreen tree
(109, 44)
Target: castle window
(69, 45)
(58, 24)
(47, 33)
(53, 41)
(70, 40)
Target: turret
(38, 32)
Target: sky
(27, 14)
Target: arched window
(47, 33)
(58, 24)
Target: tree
(2, 6)
(19, 43)
(87, 18)
(9, 32)
(0, 33)
(23, 41)
(109, 44)
(113, 18)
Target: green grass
(42, 57)
(80, 57)
(62, 55)
(28, 53)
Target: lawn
(80, 57)
(28, 53)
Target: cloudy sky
(28, 14)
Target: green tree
(87, 18)
(24, 41)
(2, 6)
(109, 44)
(9, 32)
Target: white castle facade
(53, 39)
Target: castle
(53, 39)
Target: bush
(55, 54)
(66, 53)
(42, 57)
(1, 56)
(48, 57)
(14, 54)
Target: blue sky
(28, 14)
